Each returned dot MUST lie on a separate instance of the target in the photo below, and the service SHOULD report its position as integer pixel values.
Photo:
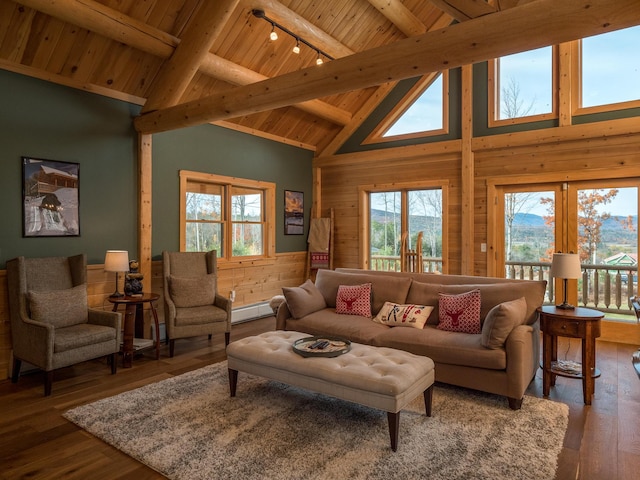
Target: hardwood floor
(602, 442)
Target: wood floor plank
(602, 440)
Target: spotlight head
(319, 60)
(296, 48)
(273, 35)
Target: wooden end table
(583, 323)
(134, 323)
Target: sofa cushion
(460, 313)
(192, 291)
(396, 315)
(491, 294)
(500, 320)
(304, 299)
(328, 322)
(384, 288)
(443, 347)
(354, 300)
(60, 308)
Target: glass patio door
(597, 220)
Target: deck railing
(604, 287)
(392, 263)
(607, 288)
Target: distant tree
(430, 204)
(590, 221)
(513, 106)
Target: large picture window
(226, 214)
(522, 87)
(609, 71)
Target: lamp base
(565, 306)
(116, 294)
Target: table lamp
(116, 261)
(565, 266)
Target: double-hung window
(230, 215)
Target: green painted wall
(221, 151)
(43, 120)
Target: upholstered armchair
(51, 324)
(192, 305)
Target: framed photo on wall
(50, 198)
(293, 213)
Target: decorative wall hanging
(50, 198)
(293, 213)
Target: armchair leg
(172, 344)
(113, 358)
(210, 336)
(48, 381)
(15, 374)
(227, 336)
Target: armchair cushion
(77, 336)
(201, 315)
(192, 291)
(60, 308)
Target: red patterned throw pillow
(460, 313)
(354, 300)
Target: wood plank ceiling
(169, 52)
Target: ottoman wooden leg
(428, 398)
(233, 382)
(394, 428)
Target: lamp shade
(566, 265)
(116, 261)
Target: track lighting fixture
(296, 49)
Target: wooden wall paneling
(467, 174)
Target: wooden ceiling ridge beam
(534, 25)
(110, 23)
(301, 27)
(463, 10)
(400, 16)
(179, 69)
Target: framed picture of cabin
(293, 213)
(50, 198)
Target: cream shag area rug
(188, 427)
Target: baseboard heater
(251, 312)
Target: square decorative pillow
(60, 308)
(396, 315)
(304, 299)
(460, 313)
(500, 320)
(354, 300)
(192, 291)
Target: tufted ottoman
(376, 377)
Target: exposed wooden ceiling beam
(400, 16)
(463, 10)
(537, 24)
(112, 24)
(301, 27)
(180, 68)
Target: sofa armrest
(522, 362)
(282, 316)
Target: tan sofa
(461, 358)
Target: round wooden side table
(583, 323)
(134, 323)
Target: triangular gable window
(422, 112)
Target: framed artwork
(293, 213)
(50, 198)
